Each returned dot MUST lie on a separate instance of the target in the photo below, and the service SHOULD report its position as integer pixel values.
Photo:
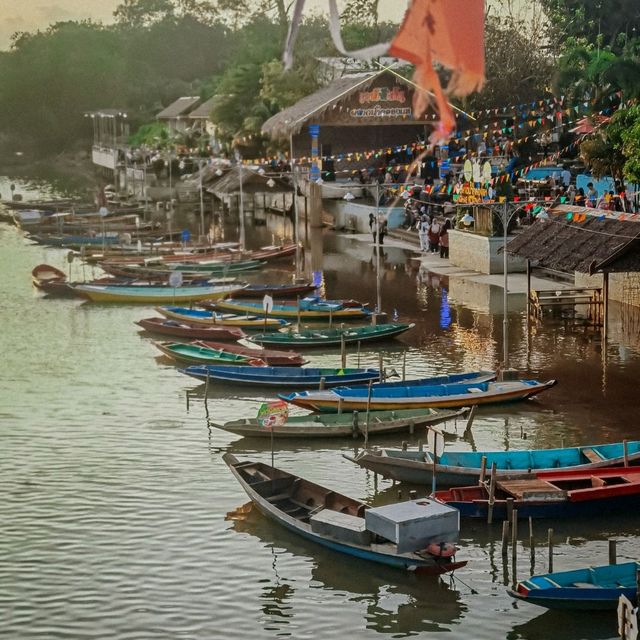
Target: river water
(115, 494)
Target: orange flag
(450, 32)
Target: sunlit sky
(30, 15)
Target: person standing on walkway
(372, 226)
(444, 239)
(434, 236)
(382, 227)
(423, 233)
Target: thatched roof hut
(357, 112)
(590, 242)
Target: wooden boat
(281, 291)
(73, 241)
(223, 269)
(289, 377)
(167, 327)
(553, 494)
(310, 309)
(461, 394)
(585, 589)
(343, 425)
(458, 468)
(333, 337)
(208, 318)
(270, 357)
(151, 293)
(44, 274)
(197, 354)
(338, 522)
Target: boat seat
(586, 585)
(591, 455)
(553, 582)
(278, 497)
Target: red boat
(271, 357)
(595, 493)
(265, 253)
(43, 274)
(179, 329)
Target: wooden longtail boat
(208, 318)
(151, 293)
(281, 291)
(197, 354)
(44, 274)
(167, 327)
(458, 468)
(341, 523)
(585, 589)
(418, 397)
(553, 494)
(212, 271)
(270, 357)
(342, 425)
(333, 337)
(288, 377)
(312, 310)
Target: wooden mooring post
(514, 548)
(550, 549)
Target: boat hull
(318, 339)
(341, 426)
(165, 327)
(291, 312)
(210, 319)
(324, 402)
(152, 295)
(287, 377)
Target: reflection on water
(399, 604)
(115, 494)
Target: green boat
(194, 354)
(343, 425)
(333, 337)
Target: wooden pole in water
(509, 509)
(532, 546)
(404, 366)
(343, 352)
(272, 456)
(613, 556)
(483, 469)
(381, 366)
(298, 318)
(359, 354)
(330, 318)
(366, 422)
(514, 544)
(322, 384)
(550, 549)
(434, 467)
(492, 493)
(505, 539)
(354, 425)
(625, 452)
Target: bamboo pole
(343, 352)
(532, 546)
(625, 452)
(613, 556)
(550, 549)
(514, 547)
(505, 539)
(492, 493)
(359, 354)
(366, 422)
(483, 469)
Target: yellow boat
(312, 310)
(151, 294)
(199, 316)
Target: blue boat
(200, 316)
(459, 468)
(586, 589)
(338, 522)
(406, 396)
(296, 377)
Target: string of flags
(461, 136)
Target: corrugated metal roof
(180, 107)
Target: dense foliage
(158, 50)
